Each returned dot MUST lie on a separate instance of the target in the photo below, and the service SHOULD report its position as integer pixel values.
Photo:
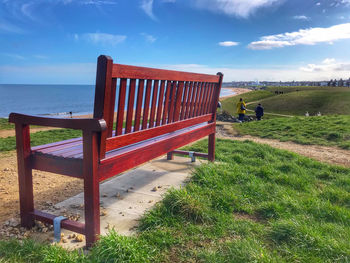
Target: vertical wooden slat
(103, 95)
(184, 102)
(25, 178)
(91, 187)
(146, 105)
(110, 121)
(121, 107)
(178, 101)
(198, 99)
(131, 100)
(139, 104)
(166, 103)
(172, 101)
(189, 100)
(205, 98)
(211, 96)
(154, 103)
(201, 105)
(194, 97)
(201, 99)
(160, 103)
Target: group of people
(242, 107)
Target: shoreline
(237, 91)
(81, 115)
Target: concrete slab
(125, 198)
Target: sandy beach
(237, 91)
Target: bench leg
(170, 156)
(26, 201)
(25, 178)
(211, 147)
(92, 211)
(91, 188)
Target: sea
(52, 100)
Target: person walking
(241, 109)
(259, 112)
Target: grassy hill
(256, 204)
(296, 100)
(324, 130)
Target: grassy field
(324, 130)
(5, 125)
(296, 100)
(256, 204)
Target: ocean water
(51, 99)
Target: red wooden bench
(158, 111)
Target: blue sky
(58, 41)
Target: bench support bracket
(57, 227)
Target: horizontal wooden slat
(44, 146)
(66, 166)
(130, 138)
(135, 155)
(66, 224)
(126, 71)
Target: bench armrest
(78, 124)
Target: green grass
(327, 102)
(39, 138)
(331, 130)
(5, 125)
(256, 204)
(296, 100)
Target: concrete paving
(125, 198)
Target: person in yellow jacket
(241, 109)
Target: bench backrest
(150, 102)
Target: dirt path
(48, 188)
(331, 155)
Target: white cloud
(328, 65)
(147, 7)
(101, 38)
(148, 38)
(239, 8)
(302, 17)
(26, 10)
(309, 36)
(318, 4)
(328, 61)
(228, 43)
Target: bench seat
(66, 157)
